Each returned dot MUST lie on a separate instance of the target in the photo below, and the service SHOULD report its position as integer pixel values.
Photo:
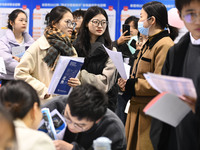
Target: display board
(36, 11)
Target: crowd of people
(95, 107)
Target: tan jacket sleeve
(142, 87)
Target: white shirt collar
(194, 42)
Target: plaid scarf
(60, 45)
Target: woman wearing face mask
(153, 21)
(22, 101)
(15, 36)
(98, 69)
(38, 63)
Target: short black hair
(13, 15)
(18, 97)
(87, 102)
(181, 3)
(78, 13)
(134, 19)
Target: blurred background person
(7, 131)
(98, 69)
(22, 101)
(78, 19)
(38, 63)
(15, 36)
(127, 43)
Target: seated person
(22, 101)
(87, 118)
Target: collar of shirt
(194, 42)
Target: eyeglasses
(77, 18)
(78, 127)
(96, 23)
(191, 17)
(70, 23)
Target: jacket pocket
(146, 59)
(144, 66)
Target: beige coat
(29, 139)
(33, 69)
(138, 124)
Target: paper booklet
(167, 106)
(2, 66)
(122, 68)
(66, 68)
(19, 51)
(53, 123)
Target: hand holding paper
(116, 57)
(168, 106)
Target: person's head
(190, 14)
(61, 18)
(17, 21)
(22, 101)
(7, 130)
(133, 22)
(86, 105)
(153, 18)
(78, 17)
(94, 25)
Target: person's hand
(123, 39)
(73, 82)
(62, 145)
(16, 58)
(190, 101)
(121, 82)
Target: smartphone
(126, 27)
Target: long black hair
(159, 11)
(84, 41)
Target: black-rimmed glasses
(96, 23)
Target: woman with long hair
(38, 63)
(98, 69)
(153, 21)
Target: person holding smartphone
(125, 42)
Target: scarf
(60, 45)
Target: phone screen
(126, 27)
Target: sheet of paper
(18, 51)
(167, 108)
(67, 67)
(2, 66)
(117, 59)
(175, 85)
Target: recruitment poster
(133, 7)
(36, 11)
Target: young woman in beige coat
(37, 65)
